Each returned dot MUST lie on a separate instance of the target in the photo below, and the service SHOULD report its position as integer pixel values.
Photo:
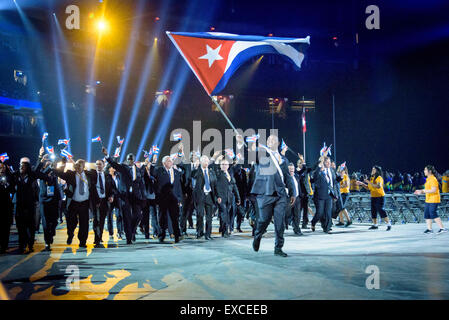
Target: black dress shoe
(340, 224)
(176, 239)
(279, 252)
(256, 244)
(83, 245)
(161, 239)
(226, 235)
(313, 228)
(147, 236)
(299, 233)
(348, 223)
(69, 240)
(129, 242)
(239, 230)
(304, 226)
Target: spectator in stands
(445, 182)
(388, 181)
(408, 182)
(415, 182)
(398, 181)
(422, 180)
(432, 192)
(376, 187)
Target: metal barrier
(400, 207)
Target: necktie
(206, 180)
(172, 178)
(134, 173)
(81, 187)
(228, 176)
(329, 179)
(101, 183)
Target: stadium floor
(411, 265)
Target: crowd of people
(161, 200)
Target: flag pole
(303, 133)
(225, 116)
(333, 114)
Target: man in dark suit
(132, 193)
(168, 196)
(115, 204)
(204, 196)
(188, 183)
(294, 211)
(238, 213)
(226, 189)
(7, 188)
(253, 208)
(49, 196)
(102, 195)
(78, 195)
(306, 188)
(325, 182)
(150, 207)
(272, 178)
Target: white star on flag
(212, 55)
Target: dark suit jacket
(186, 178)
(297, 178)
(126, 179)
(198, 191)
(108, 185)
(165, 191)
(268, 181)
(225, 188)
(323, 189)
(239, 175)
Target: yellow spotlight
(155, 39)
(102, 25)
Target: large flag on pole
(214, 57)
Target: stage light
(212, 28)
(270, 34)
(334, 38)
(157, 19)
(98, 82)
(155, 39)
(102, 25)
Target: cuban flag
(230, 153)
(323, 149)
(146, 154)
(64, 141)
(252, 138)
(343, 165)
(4, 157)
(96, 139)
(44, 136)
(117, 153)
(66, 154)
(120, 140)
(51, 150)
(246, 169)
(283, 145)
(155, 149)
(177, 137)
(238, 157)
(214, 57)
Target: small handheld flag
(238, 157)
(246, 169)
(343, 165)
(177, 137)
(117, 153)
(230, 153)
(329, 150)
(120, 140)
(146, 154)
(44, 136)
(96, 139)
(323, 149)
(252, 138)
(66, 154)
(4, 157)
(64, 141)
(50, 150)
(283, 145)
(155, 149)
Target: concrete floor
(412, 265)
